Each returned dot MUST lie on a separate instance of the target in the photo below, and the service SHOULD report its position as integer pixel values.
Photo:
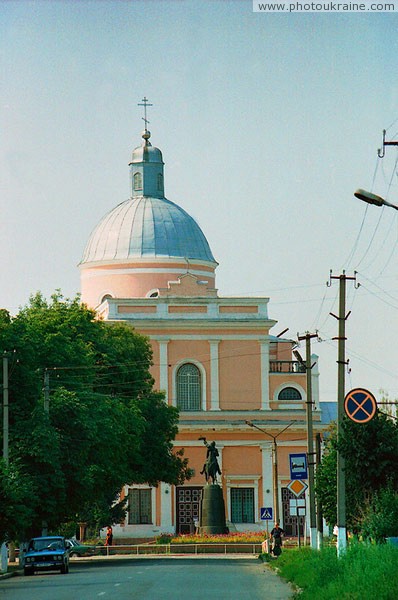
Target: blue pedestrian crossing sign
(266, 514)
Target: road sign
(266, 514)
(297, 507)
(360, 405)
(298, 466)
(297, 487)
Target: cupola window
(160, 182)
(189, 386)
(137, 181)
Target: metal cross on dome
(145, 103)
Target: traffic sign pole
(310, 439)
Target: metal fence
(178, 549)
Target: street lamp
(274, 463)
(373, 199)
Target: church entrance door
(188, 502)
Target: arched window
(289, 393)
(160, 182)
(189, 389)
(137, 181)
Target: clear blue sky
(267, 123)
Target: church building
(149, 264)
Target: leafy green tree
(371, 455)
(14, 501)
(105, 426)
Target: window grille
(242, 505)
(140, 506)
(189, 389)
(289, 393)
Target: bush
(164, 538)
(364, 572)
(381, 516)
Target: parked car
(77, 549)
(50, 553)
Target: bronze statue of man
(211, 468)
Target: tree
(14, 501)
(371, 455)
(105, 427)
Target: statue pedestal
(212, 511)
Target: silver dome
(144, 227)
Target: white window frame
(203, 381)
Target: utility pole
(310, 440)
(46, 391)
(5, 408)
(319, 515)
(275, 479)
(342, 363)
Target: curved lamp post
(275, 463)
(373, 199)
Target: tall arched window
(160, 182)
(137, 181)
(189, 388)
(289, 393)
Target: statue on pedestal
(211, 468)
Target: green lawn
(365, 572)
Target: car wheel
(65, 569)
(28, 571)
(72, 554)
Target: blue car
(50, 553)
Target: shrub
(364, 572)
(164, 538)
(381, 516)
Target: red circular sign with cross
(360, 405)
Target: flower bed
(248, 537)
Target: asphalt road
(153, 579)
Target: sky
(267, 122)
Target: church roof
(147, 227)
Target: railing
(286, 366)
(173, 549)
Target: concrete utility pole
(310, 439)
(342, 363)
(5, 408)
(319, 515)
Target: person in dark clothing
(276, 537)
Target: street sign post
(297, 487)
(298, 466)
(266, 515)
(360, 405)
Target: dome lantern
(146, 170)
